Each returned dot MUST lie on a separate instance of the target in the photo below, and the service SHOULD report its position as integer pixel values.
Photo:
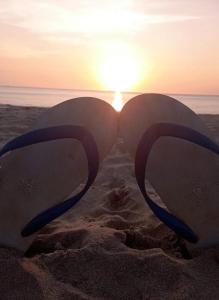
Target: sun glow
(119, 69)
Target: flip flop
(46, 164)
(171, 143)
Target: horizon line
(102, 91)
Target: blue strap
(142, 154)
(49, 134)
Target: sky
(135, 45)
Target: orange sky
(51, 43)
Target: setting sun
(120, 68)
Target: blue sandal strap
(142, 154)
(53, 133)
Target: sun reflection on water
(117, 101)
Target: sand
(110, 246)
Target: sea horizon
(46, 97)
(103, 91)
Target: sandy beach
(110, 246)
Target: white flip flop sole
(184, 174)
(36, 177)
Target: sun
(119, 70)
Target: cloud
(46, 17)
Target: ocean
(26, 96)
